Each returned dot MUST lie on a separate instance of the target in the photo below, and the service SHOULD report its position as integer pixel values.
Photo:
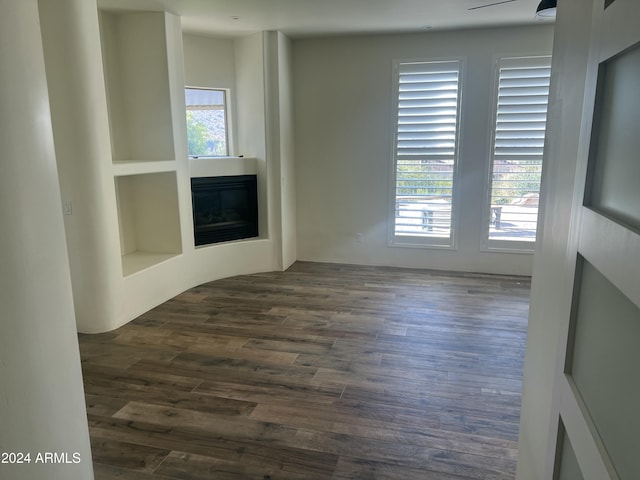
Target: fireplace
(224, 208)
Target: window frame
(227, 121)
(425, 241)
(493, 244)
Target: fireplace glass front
(224, 208)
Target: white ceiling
(305, 18)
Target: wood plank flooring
(320, 372)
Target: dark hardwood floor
(321, 372)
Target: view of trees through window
(420, 177)
(206, 122)
(515, 180)
(520, 122)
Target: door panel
(568, 468)
(613, 165)
(603, 365)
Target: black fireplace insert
(224, 208)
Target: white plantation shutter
(520, 121)
(425, 149)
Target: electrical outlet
(66, 207)
(359, 237)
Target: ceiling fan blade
(491, 4)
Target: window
(207, 133)
(518, 142)
(425, 153)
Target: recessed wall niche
(149, 219)
(137, 82)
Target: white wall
(209, 62)
(250, 110)
(343, 119)
(280, 141)
(42, 405)
(287, 152)
(551, 289)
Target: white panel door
(595, 414)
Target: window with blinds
(428, 105)
(516, 164)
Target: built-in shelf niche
(149, 219)
(136, 168)
(137, 81)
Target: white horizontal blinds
(521, 115)
(204, 99)
(425, 156)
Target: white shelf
(222, 166)
(139, 167)
(137, 261)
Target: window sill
(213, 157)
(417, 242)
(222, 166)
(506, 246)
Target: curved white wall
(42, 405)
(81, 135)
(148, 288)
(106, 294)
